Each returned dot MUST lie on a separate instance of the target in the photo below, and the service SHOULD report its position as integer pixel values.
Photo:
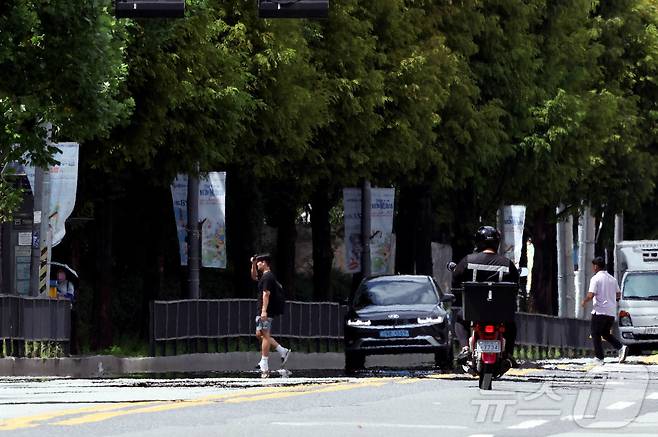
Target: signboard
(63, 188)
(381, 238)
(513, 218)
(212, 207)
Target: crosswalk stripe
(621, 405)
(528, 424)
(653, 396)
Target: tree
(60, 62)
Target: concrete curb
(102, 366)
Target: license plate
(651, 331)
(394, 333)
(488, 346)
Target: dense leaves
(463, 106)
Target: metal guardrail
(550, 331)
(34, 319)
(230, 318)
(233, 318)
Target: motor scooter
(487, 305)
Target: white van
(638, 307)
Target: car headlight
(625, 319)
(357, 322)
(430, 320)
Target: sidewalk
(100, 366)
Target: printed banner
(513, 223)
(63, 187)
(212, 207)
(381, 239)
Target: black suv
(398, 314)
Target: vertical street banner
(381, 240)
(513, 219)
(212, 208)
(63, 187)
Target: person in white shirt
(604, 292)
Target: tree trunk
(322, 250)
(242, 222)
(544, 286)
(103, 301)
(405, 233)
(423, 245)
(285, 248)
(414, 231)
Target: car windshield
(395, 292)
(641, 286)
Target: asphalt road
(560, 398)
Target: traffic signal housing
(149, 8)
(293, 8)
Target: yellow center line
(252, 396)
(32, 421)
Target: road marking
(33, 421)
(528, 424)
(521, 372)
(481, 435)
(619, 405)
(653, 396)
(232, 398)
(368, 425)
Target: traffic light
(293, 8)
(149, 8)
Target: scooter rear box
(493, 302)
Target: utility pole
(193, 234)
(366, 206)
(566, 284)
(619, 237)
(40, 252)
(586, 235)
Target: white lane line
(621, 405)
(481, 435)
(528, 424)
(368, 425)
(653, 396)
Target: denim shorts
(265, 325)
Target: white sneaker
(265, 374)
(598, 361)
(285, 356)
(623, 352)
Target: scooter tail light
(489, 329)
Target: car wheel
(354, 361)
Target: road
(557, 398)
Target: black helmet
(487, 237)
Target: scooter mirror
(451, 266)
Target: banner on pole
(513, 225)
(63, 187)
(212, 207)
(381, 240)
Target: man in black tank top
(487, 266)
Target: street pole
(619, 237)
(40, 252)
(586, 235)
(566, 285)
(193, 234)
(366, 201)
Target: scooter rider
(490, 267)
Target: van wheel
(354, 361)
